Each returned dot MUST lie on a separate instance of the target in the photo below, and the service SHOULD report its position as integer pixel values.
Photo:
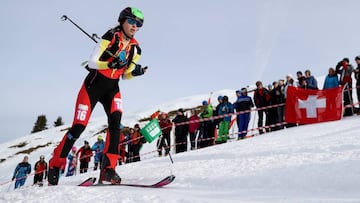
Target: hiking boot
(53, 175)
(109, 175)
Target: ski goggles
(133, 22)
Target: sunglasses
(133, 22)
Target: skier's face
(130, 27)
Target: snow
(309, 163)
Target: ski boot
(107, 172)
(53, 175)
(109, 175)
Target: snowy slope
(310, 163)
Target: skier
(115, 56)
(72, 158)
(98, 147)
(40, 169)
(21, 172)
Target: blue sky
(191, 47)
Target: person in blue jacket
(21, 172)
(225, 108)
(243, 104)
(331, 80)
(98, 147)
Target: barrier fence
(205, 139)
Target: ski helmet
(132, 13)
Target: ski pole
(64, 18)
(167, 145)
(9, 186)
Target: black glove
(138, 70)
(13, 178)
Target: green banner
(151, 131)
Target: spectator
(164, 139)
(40, 169)
(276, 113)
(225, 108)
(261, 100)
(21, 172)
(289, 82)
(193, 128)
(242, 104)
(98, 147)
(124, 137)
(181, 131)
(311, 82)
(136, 142)
(357, 76)
(301, 79)
(345, 69)
(84, 154)
(331, 80)
(72, 162)
(206, 134)
(215, 113)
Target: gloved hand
(138, 70)
(13, 178)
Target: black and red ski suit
(102, 85)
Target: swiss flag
(305, 106)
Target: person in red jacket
(164, 139)
(84, 154)
(40, 170)
(115, 56)
(193, 127)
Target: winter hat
(181, 110)
(100, 137)
(204, 103)
(357, 57)
(86, 142)
(73, 149)
(225, 99)
(220, 97)
(237, 91)
(136, 126)
(346, 59)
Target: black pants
(84, 165)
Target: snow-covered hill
(309, 163)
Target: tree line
(41, 123)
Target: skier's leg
(84, 105)
(112, 106)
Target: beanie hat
(204, 103)
(346, 59)
(357, 57)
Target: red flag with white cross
(306, 106)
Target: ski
(88, 182)
(161, 183)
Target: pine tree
(58, 122)
(40, 124)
